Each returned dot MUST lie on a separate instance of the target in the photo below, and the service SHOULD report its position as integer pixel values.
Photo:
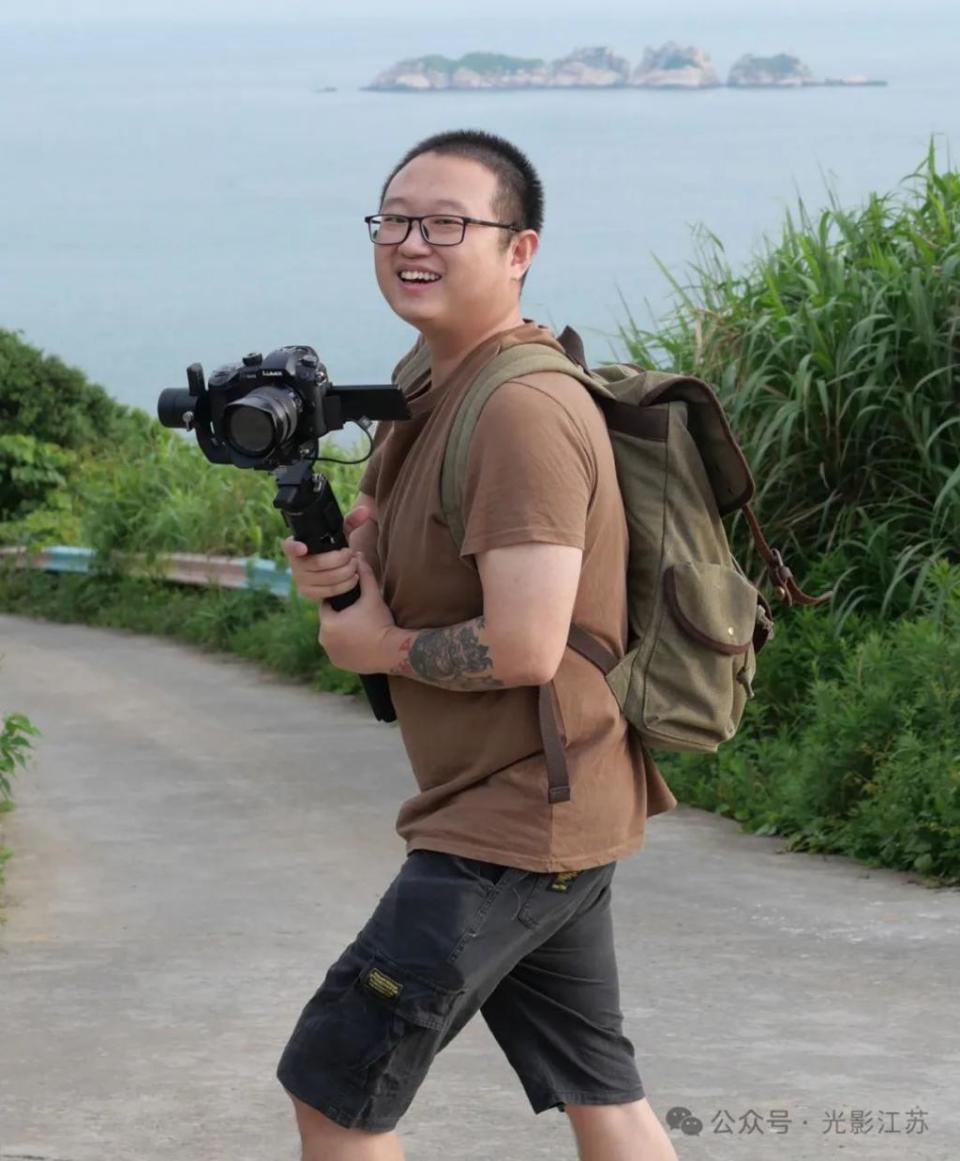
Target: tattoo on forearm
(454, 657)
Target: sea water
(179, 194)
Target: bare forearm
(461, 657)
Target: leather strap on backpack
(558, 776)
(785, 586)
(554, 743)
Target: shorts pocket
(385, 1016)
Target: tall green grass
(836, 354)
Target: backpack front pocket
(699, 669)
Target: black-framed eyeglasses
(436, 229)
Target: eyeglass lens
(436, 229)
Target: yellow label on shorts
(383, 985)
(562, 879)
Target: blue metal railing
(182, 567)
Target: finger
(294, 548)
(327, 576)
(323, 562)
(325, 592)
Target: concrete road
(197, 841)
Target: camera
(271, 410)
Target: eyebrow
(448, 202)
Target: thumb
(366, 574)
(355, 518)
(293, 548)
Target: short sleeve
(531, 472)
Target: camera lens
(262, 421)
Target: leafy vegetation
(836, 355)
(31, 472)
(42, 397)
(16, 730)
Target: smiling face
(473, 286)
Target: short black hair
(519, 198)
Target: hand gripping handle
(313, 515)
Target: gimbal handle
(311, 511)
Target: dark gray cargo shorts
(532, 951)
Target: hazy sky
(197, 11)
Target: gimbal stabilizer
(268, 413)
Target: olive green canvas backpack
(696, 623)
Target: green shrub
(42, 397)
(30, 470)
(16, 730)
(15, 735)
(868, 761)
(837, 357)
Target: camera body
(271, 410)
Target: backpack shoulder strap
(513, 363)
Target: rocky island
(782, 70)
(590, 67)
(585, 68)
(671, 66)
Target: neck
(449, 349)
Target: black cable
(363, 424)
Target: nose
(414, 243)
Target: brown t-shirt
(540, 468)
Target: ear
(522, 250)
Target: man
(503, 902)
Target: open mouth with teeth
(418, 277)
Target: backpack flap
(632, 389)
(637, 389)
(642, 395)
